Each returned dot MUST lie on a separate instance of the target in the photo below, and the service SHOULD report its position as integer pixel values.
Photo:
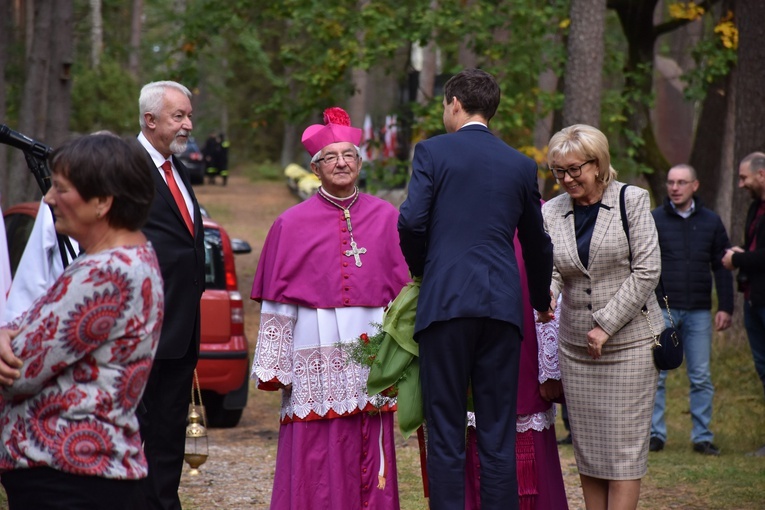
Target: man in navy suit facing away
(468, 193)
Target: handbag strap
(626, 227)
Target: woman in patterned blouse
(74, 366)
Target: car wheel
(225, 411)
(217, 415)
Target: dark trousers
(44, 488)
(162, 416)
(485, 354)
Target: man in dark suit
(175, 230)
(468, 193)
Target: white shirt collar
(156, 157)
(473, 123)
(687, 212)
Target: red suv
(223, 366)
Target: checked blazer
(607, 293)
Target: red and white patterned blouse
(88, 346)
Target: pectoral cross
(354, 252)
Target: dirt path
(239, 472)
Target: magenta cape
(530, 401)
(303, 261)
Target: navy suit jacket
(468, 193)
(182, 263)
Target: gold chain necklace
(355, 251)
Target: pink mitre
(336, 128)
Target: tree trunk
(32, 114)
(134, 59)
(728, 168)
(707, 155)
(466, 57)
(427, 79)
(750, 98)
(289, 142)
(750, 110)
(96, 33)
(357, 106)
(584, 66)
(637, 22)
(60, 82)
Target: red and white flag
(391, 132)
(367, 148)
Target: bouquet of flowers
(391, 354)
(363, 351)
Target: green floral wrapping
(397, 363)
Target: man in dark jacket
(468, 193)
(693, 241)
(750, 261)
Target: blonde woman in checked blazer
(608, 374)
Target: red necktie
(177, 195)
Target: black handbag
(667, 345)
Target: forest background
(667, 81)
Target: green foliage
(263, 171)
(363, 350)
(714, 59)
(104, 98)
(284, 62)
(514, 40)
(387, 173)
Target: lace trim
(547, 354)
(322, 380)
(273, 352)
(524, 422)
(536, 421)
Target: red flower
(364, 338)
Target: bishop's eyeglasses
(332, 159)
(572, 171)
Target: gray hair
(152, 96)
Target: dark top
(691, 252)
(468, 194)
(752, 262)
(585, 217)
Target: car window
(18, 228)
(215, 273)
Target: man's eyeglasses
(573, 171)
(679, 184)
(332, 159)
